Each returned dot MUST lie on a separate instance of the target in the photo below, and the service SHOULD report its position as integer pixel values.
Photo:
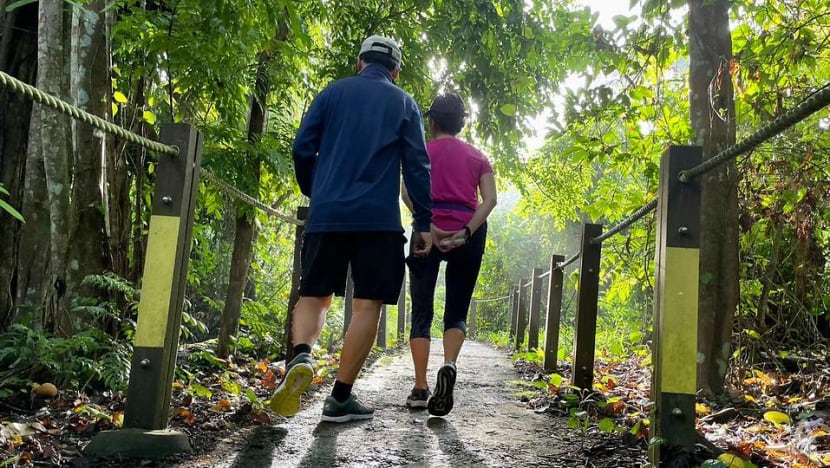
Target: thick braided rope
(809, 106)
(642, 211)
(65, 108)
(493, 299)
(568, 261)
(61, 106)
(234, 192)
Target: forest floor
(508, 412)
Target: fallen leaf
(221, 405)
(269, 380)
(730, 460)
(778, 418)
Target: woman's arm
(487, 189)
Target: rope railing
(568, 261)
(64, 107)
(492, 299)
(237, 194)
(809, 106)
(642, 211)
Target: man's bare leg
(360, 337)
(309, 318)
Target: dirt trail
(487, 427)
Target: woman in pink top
(459, 173)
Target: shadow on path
(260, 446)
(488, 426)
(449, 442)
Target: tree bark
(18, 28)
(33, 258)
(54, 129)
(712, 114)
(89, 82)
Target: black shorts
(376, 258)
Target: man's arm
(307, 143)
(415, 162)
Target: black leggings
(463, 264)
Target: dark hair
(449, 123)
(380, 58)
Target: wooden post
(402, 311)
(554, 313)
(513, 311)
(381, 338)
(674, 381)
(348, 300)
(160, 310)
(535, 309)
(521, 325)
(471, 326)
(586, 308)
(296, 274)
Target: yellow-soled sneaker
(286, 399)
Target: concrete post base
(137, 443)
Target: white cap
(384, 46)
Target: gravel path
(487, 427)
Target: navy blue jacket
(348, 153)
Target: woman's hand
(448, 240)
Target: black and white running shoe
(441, 401)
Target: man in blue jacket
(358, 135)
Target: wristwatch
(467, 232)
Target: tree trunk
(15, 119)
(245, 229)
(712, 115)
(89, 81)
(54, 129)
(32, 254)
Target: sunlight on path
(487, 427)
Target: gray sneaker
(349, 410)
(298, 375)
(418, 398)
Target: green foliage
(537, 356)
(4, 206)
(90, 358)
(96, 357)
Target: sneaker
(286, 400)
(441, 402)
(418, 398)
(349, 410)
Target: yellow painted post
(554, 313)
(513, 311)
(381, 338)
(348, 301)
(585, 330)
(160, 309)
(521, 314)
(535, 309)
(674, 382)
(402, 311)
(471, 326)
